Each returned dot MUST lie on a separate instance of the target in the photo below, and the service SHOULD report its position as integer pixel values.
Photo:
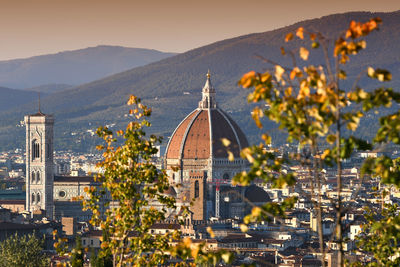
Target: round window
(61, 194)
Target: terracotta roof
(199, 135)
(174, 145)
(191, 139)
(197, 142)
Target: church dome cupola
(208, 95)
(199, 135)
(196, 148)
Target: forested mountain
(74, 67)
(13, 98)
(172, 87)
(50, 88)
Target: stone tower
(198, 194)
(39, 163)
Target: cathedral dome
(199, 135)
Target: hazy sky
(34, 27)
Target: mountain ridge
(162, 84)
(74, 66)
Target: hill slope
(49, 88)
(12, 98)
(74, 67)
(162, 84)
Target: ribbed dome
(199, 135)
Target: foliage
(23, 250)
(131, 182)
(381, 237)
(97, 260)
(132, 192)
(77, 253)
(310, 105)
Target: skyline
(48, 26)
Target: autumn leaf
(279, 71)
(289, 37)
(210, 232)
(225, 142)
(304, 53)
(243, 228)
(231, 157)
(296, 72)
(300, 32)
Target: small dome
(256, 194)
(199, 135)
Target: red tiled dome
(199, 135)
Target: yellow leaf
(352, 126)
(266, 138)
(300, 32)
(247, 79)
(225, 142)
(195, 251)
(132, 100)
(289, 37)
(247, 154)
(256, 114)
(265, 77)
(304, 53)
(187, 241)
(211, 232)
(226, 257)
(279, 72)
(371, 72)
(231, 157)
(304, 90)
(244, 228)
(256, 212)
(295, 72)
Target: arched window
(33, 178)
(38, 177)
(196, 189)
(35, 149)
(33, 198)
(38, 198)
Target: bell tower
(39, 163)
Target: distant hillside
(172, 87)
(50, 88)
(74, 67)
(12, 98)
